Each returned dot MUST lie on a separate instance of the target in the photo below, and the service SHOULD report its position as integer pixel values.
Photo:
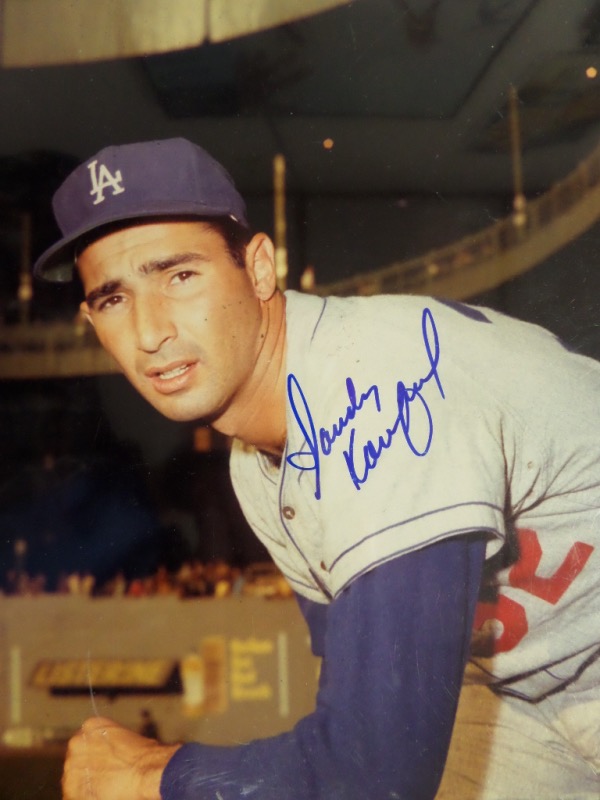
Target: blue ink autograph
(320, 444)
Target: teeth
(172, 373)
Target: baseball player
(426, 475)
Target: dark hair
(235, 235)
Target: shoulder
(332, 326)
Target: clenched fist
(106, 761)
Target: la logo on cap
(104, 179)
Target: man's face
(180, 318)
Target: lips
(172, 377)
(172, 373)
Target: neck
(258, 415)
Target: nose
(153, 324)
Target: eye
(109, 302)
(183, 276)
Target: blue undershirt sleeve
(394, 646)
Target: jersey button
(288, 512)
(323, 566)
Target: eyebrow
(147, 268)
(108, 288)
(162, 264)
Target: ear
(260, 266)
(84, 310)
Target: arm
(395, 645)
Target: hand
(106, 761)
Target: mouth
(172, 377)
(172, 373)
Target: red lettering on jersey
(522, 574)
(512, 617)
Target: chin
(183, 412)
(180, 406)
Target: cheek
(115, 341)
(243, 333)
(104, 337)
(234, 324)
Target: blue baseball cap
(160, 179)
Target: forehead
(154, 239)
(167, 233)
